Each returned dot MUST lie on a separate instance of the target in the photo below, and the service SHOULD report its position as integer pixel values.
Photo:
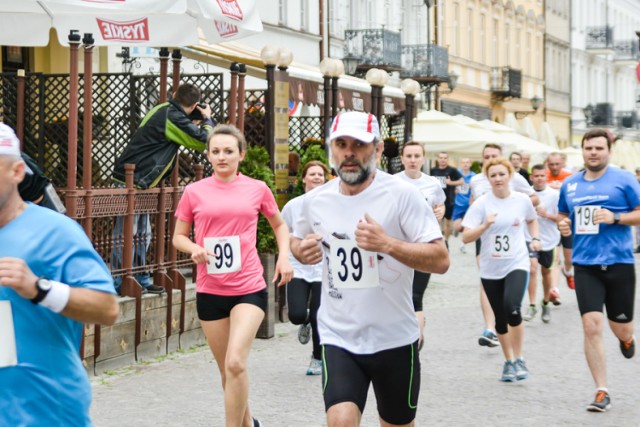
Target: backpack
(36, 185)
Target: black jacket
(154, 146)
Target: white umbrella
(521, 142)
(442, 132)
(511, 121)
(547, 136)
(134, 22)
(527, 128)
(574, 157)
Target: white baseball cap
(9, 143)
(361, 126)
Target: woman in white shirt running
(498, 218)
(307, 279)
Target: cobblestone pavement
(460, 385)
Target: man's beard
(357, 177)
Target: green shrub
(314, 152)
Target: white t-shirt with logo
(379, 314)
(548, 229)
(480, 185)
(429, 186)
(503, 244)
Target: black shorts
(394, 373)
(612, 286)
(420, 283)
(448, 211)
(216, 307)
(545, 258)
(478, 246)
(567, 241)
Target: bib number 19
(585, 220)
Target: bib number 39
(501, 246)
(352, 267)
(227, 254)
(584, 217)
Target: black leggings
(298, 291)
(420, 283)
(505, 296)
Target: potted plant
(256, 165)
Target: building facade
(604, 58)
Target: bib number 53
(352, 267)
(501, 246)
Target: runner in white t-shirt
(303, 291)
(371, 230)
(480, 185)
(547, 212)
(412, 158)
(499, 219)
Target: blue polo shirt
(49, 385)
(616, 190)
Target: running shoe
(315, 367)
(571, 283)
(601, 403)
(546, 312)
(257, 423)
(554, 296)
(522, 372)
(628, 348)
(508, 372)
(463, 248)
(488, 339)
(154, 289)
(304, 333)
(531, 312)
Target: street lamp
(270, 56)
(331, 69)
(535, 104)
(588, 114)
(377, 79)
(410, 88)
(285, 59)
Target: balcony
(627, 120)
(506, 83)
(373, 48)
(600, 115)
(425, 63)
(626, 52)
(599, 40)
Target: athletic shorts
(612, 286)
(448, 211)
(566, 241)
(394, 373)
(545, 258)
(459, 212)
(478, 246)
(420, 283)
(216, 307)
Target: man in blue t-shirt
(598, 206)
(463, 194)
(51, 280)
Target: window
(456, 28)
(483, 39)
(495, 42)
(507, 45)
(303, 15)
(470, 34)
(282, 12)
(441, 34)
(527, 53)
(518, 51)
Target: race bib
(584, 217)
(463, 189)
(8, 355)
(443, 181)
(227, 257)
(352, 267)
(501, 246)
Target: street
(460, 379)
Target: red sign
(638, 71)
(231, 8)
(225, 29)
(126, 31)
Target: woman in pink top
(231, 293)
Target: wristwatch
(616, 218)
(43, 286)
(535, 238)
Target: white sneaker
(315, 367)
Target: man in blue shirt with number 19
(598, 205)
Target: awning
(306, 81)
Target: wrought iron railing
(599, 37)
(626, 50)
(374, 47)
(425, 62)
(506, 82)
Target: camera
(196, 114)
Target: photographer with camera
(153, 149)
